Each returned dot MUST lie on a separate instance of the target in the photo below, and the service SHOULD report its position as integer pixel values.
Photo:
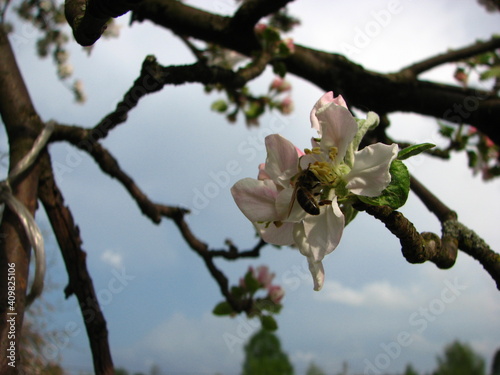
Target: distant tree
(121, 371)
(410, 370)
(155, 370)
(460, 359)
(495, 366)
(263, 356)
(313, 369)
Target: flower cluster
(483, 154)
(247, 294)
(271, 41)
(302, 198)
(264, 278)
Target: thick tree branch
(80, 282)
(382, 93)
(469, 242)
(23, 126)
(416, 248)
(456, 235)
(88, 18)
(251, 11)
(451, 56)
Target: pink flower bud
(289, 44)
(280, 85)
(461, 76)
(276, 293)
(286, 106)
(489, 143)
(260, 28)
(263, 276)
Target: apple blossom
(276, 293)
(280, 85)
(328, 176)
(286, 106)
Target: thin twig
(450, 56)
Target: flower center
(327, 171)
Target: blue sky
(375, 311)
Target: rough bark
(22, 125)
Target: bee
(305, 192)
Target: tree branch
(23, 125)
(88, 18)
(208, 256)
(415, 69)
(153, 77)
(469, 242)
(82, 138)
(80, 282)
(457, 235)
(79, 137)
(334, 72)
(416, 248)
(251, 11)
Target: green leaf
(219, 106)
(271, 36)
(279, 68)
(446, 131)
(251, 283)
(396, 194)
(265, 304)
(255, 109)
(349, 213)
(223, 308)
(268, 323)
(494, 72)
(414, 150)
(473, 158)
(238, 291)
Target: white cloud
(112, 258)
(378, 293)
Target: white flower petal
(324, 100)
(338, 128)
(281, 235)
(323, 231)
(317, 272)
(318, 236)
(287, 210)
(282, 159)
(370, 175)
(256, 199)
